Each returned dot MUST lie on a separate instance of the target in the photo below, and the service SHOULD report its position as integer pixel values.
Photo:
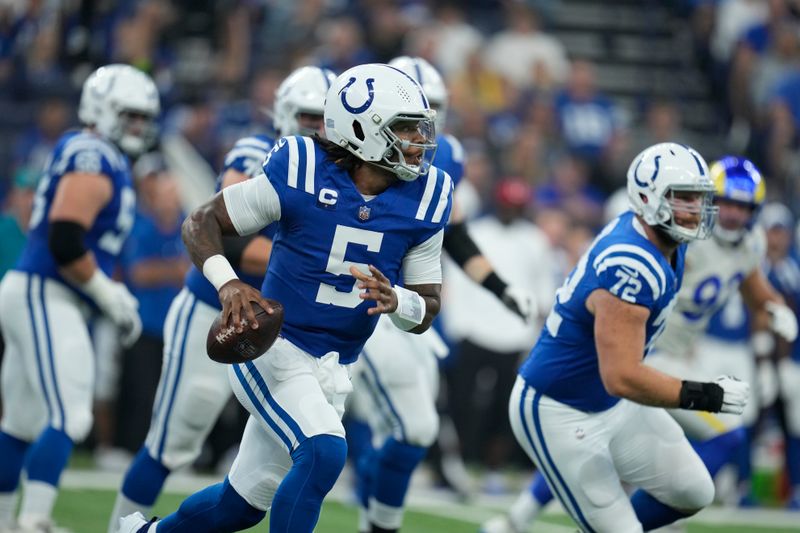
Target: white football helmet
(113, 92)
(365, 103)
(303, 91)
(431, 81)
(657, 173)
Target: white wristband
(98, 286)
(218, 271)
(410, 310)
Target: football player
(83, 211)
(715, 268)
(396, 377)
(352, 211)
(585, 408)
(193, 388)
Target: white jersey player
(83, 211)
(194, 389)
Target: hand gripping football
(224, 345)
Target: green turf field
(86, 511)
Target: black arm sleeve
(65, 240)
(234, 248)
(458, 244)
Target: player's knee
(401, 456)
(692, 492)
(422, 431)
(324, 457)
(78, 424)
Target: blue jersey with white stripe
(563, 364)
(450, 157)
(326, 226)
(83, 152)
(246, 156)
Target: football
(224, 345)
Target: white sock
(524, 511)
(363, 520)
(385, 516)
(38, 499)
(8, 505)
(124, 506)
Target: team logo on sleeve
(363, 213)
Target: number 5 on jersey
(327, 294)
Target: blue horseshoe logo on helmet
(652, 178)
(363, 107)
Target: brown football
(224, 345)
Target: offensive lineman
(83, 211)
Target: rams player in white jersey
(83, 211)
(396, 377)
(717, 267)
(193, 388)
(360, 221)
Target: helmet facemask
(400, 135)
(134, 132)
(682, 202)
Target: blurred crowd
(546, 148)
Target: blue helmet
(737, 179)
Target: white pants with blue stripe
(192, 390)
(396, 382)
(48, 368)
(291, 396)
(585, 457)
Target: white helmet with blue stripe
(303, 91)
(366, 103)
(662, 170)
(113, 98)
(431, 82)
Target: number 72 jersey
(563, 364)
(82, 152)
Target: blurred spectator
(252, 115)
(492, 338)
(569, 190)
(448, 41)
(525, 55)
(154, 264)
(14, 219)
(341, 45)
(36, 143)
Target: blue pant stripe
(543, 468)
(384, 394)
(47, 336)
(538, 425)
(237, 369)
(164, 383)
(287, 419)
(177, 380)
(39, 363)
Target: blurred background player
(193, 388)
(599, 431)
(396, 378)
(351, 212)
(83, 211)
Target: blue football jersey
(246, 156)
(450, 157)
(326, 226)
(79, 151)
(563, 364)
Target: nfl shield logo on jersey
(363, 213)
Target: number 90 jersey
(563, 364)
(85, 152)
(325, 227)
(714, 271)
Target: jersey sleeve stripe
(256, 154)
(252, 142)
(444, 197)
(427, 196)
(311, 164)
(457, 151)
(638, 252)
(90, 144)
(635, 264)
(294, 162)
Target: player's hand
(520, 302)
(235, 297)
(735, 394)
(782, 320)
(122, 308)
(376, 287)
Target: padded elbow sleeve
(65, 240)
(459, 244)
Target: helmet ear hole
(358, 130)
(643, 198)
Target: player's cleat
(499, 524)
(135, 523)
